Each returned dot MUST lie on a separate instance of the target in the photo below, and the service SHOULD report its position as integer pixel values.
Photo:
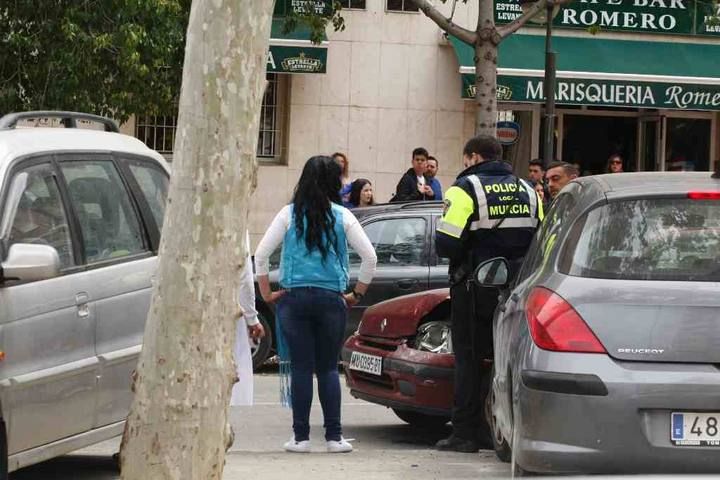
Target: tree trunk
(178, 425)
(486, 53)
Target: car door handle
(406, 284)
(81, 301)
(514, 297)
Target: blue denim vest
(302, 268)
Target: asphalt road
(385, 448)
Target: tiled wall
(392, 84)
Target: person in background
(614, 164)
(242, 391)
(314, 231)
(361, 193)
(414, 184)
(344, 163)
(536, 173)
(540, 188)
(536, 170)
(431, 173)
(558, 175)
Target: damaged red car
(401, 357)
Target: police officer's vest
(505, 212)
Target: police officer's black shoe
(457, 444)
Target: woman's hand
(273, 297)
(256, 331)
(350, 299)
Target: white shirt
(354, 232)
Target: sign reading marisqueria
(605, 93)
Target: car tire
(500, 444)
(260, 349)
(421, 420)
(3, 452)
(515, 469)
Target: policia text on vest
(489, 212)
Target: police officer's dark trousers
(472, 344)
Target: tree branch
(519, 22)
(446, 24)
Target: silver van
(80, 217)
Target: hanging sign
(507, 132)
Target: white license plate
(366, 363)
(694, 428)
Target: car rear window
(648, 239)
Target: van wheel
(421, 420)
(3, 452)
(260, 349)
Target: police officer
(489, 212)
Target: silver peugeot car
(607, 344)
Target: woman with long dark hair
(314, 231)
(361, 193)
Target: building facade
(635, 77)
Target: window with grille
(273, 118)
(401, 6)
(359, 4)
(158, 132)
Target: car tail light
(704, 195)
(555, 325)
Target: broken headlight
(434, 337)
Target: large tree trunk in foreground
(178, 425)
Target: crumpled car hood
(399, 317)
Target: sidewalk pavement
(385, 448)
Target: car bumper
(411, 379)
(592, 414)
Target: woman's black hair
(355, 190)
(318, 187)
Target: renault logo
(383, 324)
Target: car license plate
(699, 429)
(366, 363)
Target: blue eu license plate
(695, 429)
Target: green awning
(293, 52)
(602, 72)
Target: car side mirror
(28, 262)
(492, 273)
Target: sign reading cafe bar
(680, 17)
(605, 93)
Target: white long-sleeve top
(354, 232)
(246, 295)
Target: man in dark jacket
(489, 212)
(414, 185)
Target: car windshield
(651, 239)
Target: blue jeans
(313, 323)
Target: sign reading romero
(684, 17)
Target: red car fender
(399, 317)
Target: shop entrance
(589, 140)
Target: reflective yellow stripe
(459, 207)
(449, 229)
(540, 208)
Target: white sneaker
(297, 447)
(342, 446)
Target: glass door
(687, 144)
(650, 144)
